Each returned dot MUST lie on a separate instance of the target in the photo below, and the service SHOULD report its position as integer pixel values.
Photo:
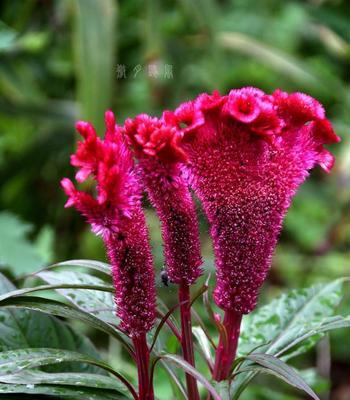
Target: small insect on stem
(164, 277)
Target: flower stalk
(227, 347)
(157, 147)
(187, 339)
(142, 357)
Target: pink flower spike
(158, 147)
(116, 215)
(246, 163)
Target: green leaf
(279, 323)
(90, 264)
(290, 325)
(14, 361)
(25, 328)
(94, 44)
(63, 310)
(62, 391)
(203, 343)
(283, 371)
(15, 249)
(68, 379)
(97, 302)
(12, 364)
(180, 362)
(63, 378)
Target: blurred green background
(65, 60)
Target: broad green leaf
(12, 364)
(16, 251)
(279, 323)
(26, 328)
(99, 303)
(290, 325)
(20, 292)
(63, 310)
(14, 361)
(94, 44)
(180, 362)
(61, 391)
(279, 368)
(63, 378)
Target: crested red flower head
(157, 146)
(151, 137)
(115, 213)
(248, 153)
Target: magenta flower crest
(115, 213)
(248, 153)
(157, 146)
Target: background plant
(52, 69)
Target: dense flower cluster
(158, 148)
(245, 154)
(117, 216)
(248, 153)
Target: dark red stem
(142, 361)
(186, 338)
(227, 347)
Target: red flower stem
(227, 347)
(186, 338)
(142, 361)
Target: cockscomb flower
(248, 153)
(115, 213)
(157, 146)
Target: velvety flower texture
(158, 150)
(116, 215)
(248, 153)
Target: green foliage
(288, 326)
(21, 329)
(276, 326)
(59, 64)
(16, 251)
